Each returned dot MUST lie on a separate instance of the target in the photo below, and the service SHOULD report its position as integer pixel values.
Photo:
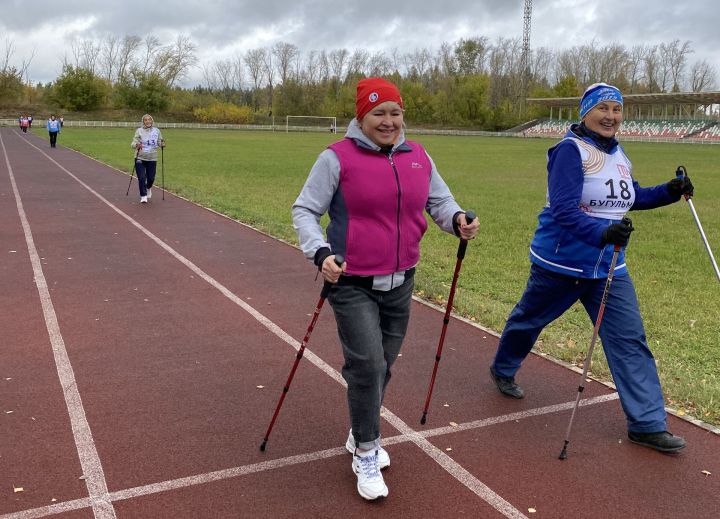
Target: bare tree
(702, 76)
(418, 63)
(254, 60)
(651, 64)
(338, 60)
(539, 61)
(173, 62)
(677, 54)
(223, 73)
(635, 59)
(357, 64)
(312, 68)
(446, 58)
(223, 76)
(396, 58)
(127, 56)
(267, 63)
(85, 54)
(109, 57)
(323, 66)
(151, 45)
(238, 73)
(284, 54)
(5, 62)
(379, 65)
(210, 76)
(666, 52)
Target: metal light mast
(524, 69)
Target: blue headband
(596, 94)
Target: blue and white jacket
(53, 126)
(590, 186)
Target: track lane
(270, 272)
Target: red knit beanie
(372, 92)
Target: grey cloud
(215, 25)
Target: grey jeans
(371, 326)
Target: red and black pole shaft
(323, 295)
(588, 357)
(469, 217)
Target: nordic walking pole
(162, 167)
(132, 172)
(323, 295)
(681, 173)
(469, 217)
(588, 357)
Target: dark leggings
(145, 170)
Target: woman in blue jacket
(53, 128)
(590, 189)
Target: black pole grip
(339, 260)
(469, 217)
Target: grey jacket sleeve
(314, 201)
(136, 138)
(441, 205)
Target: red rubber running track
(144, 348)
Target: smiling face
(383, 123)
(147, 121)
(605, 118)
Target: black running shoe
(507, 385)
(660, 441)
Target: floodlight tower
(524, 69)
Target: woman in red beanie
(375, 186)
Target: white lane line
(520, 415)
(218, 475)
(419, 438)
(45, 511)
(84, 443)
(450, 465)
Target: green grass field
(254, 177)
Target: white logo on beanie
(373, 97)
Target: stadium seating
(709, 134)
(658, 129)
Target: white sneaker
(149, 193)
(383, 456)
(143, 200)
(370, 483)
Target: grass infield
(255, 177)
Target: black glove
(618, 233)
(680, 186)
(320, 256)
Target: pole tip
(262, 445)
(563, 454)
(423, 419)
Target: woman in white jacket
(146, 141)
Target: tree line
(468, 83)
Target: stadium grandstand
(687, 116)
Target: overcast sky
(222, 28)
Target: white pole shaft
(702, 235)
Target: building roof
(674, 98)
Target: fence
(341, 130)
